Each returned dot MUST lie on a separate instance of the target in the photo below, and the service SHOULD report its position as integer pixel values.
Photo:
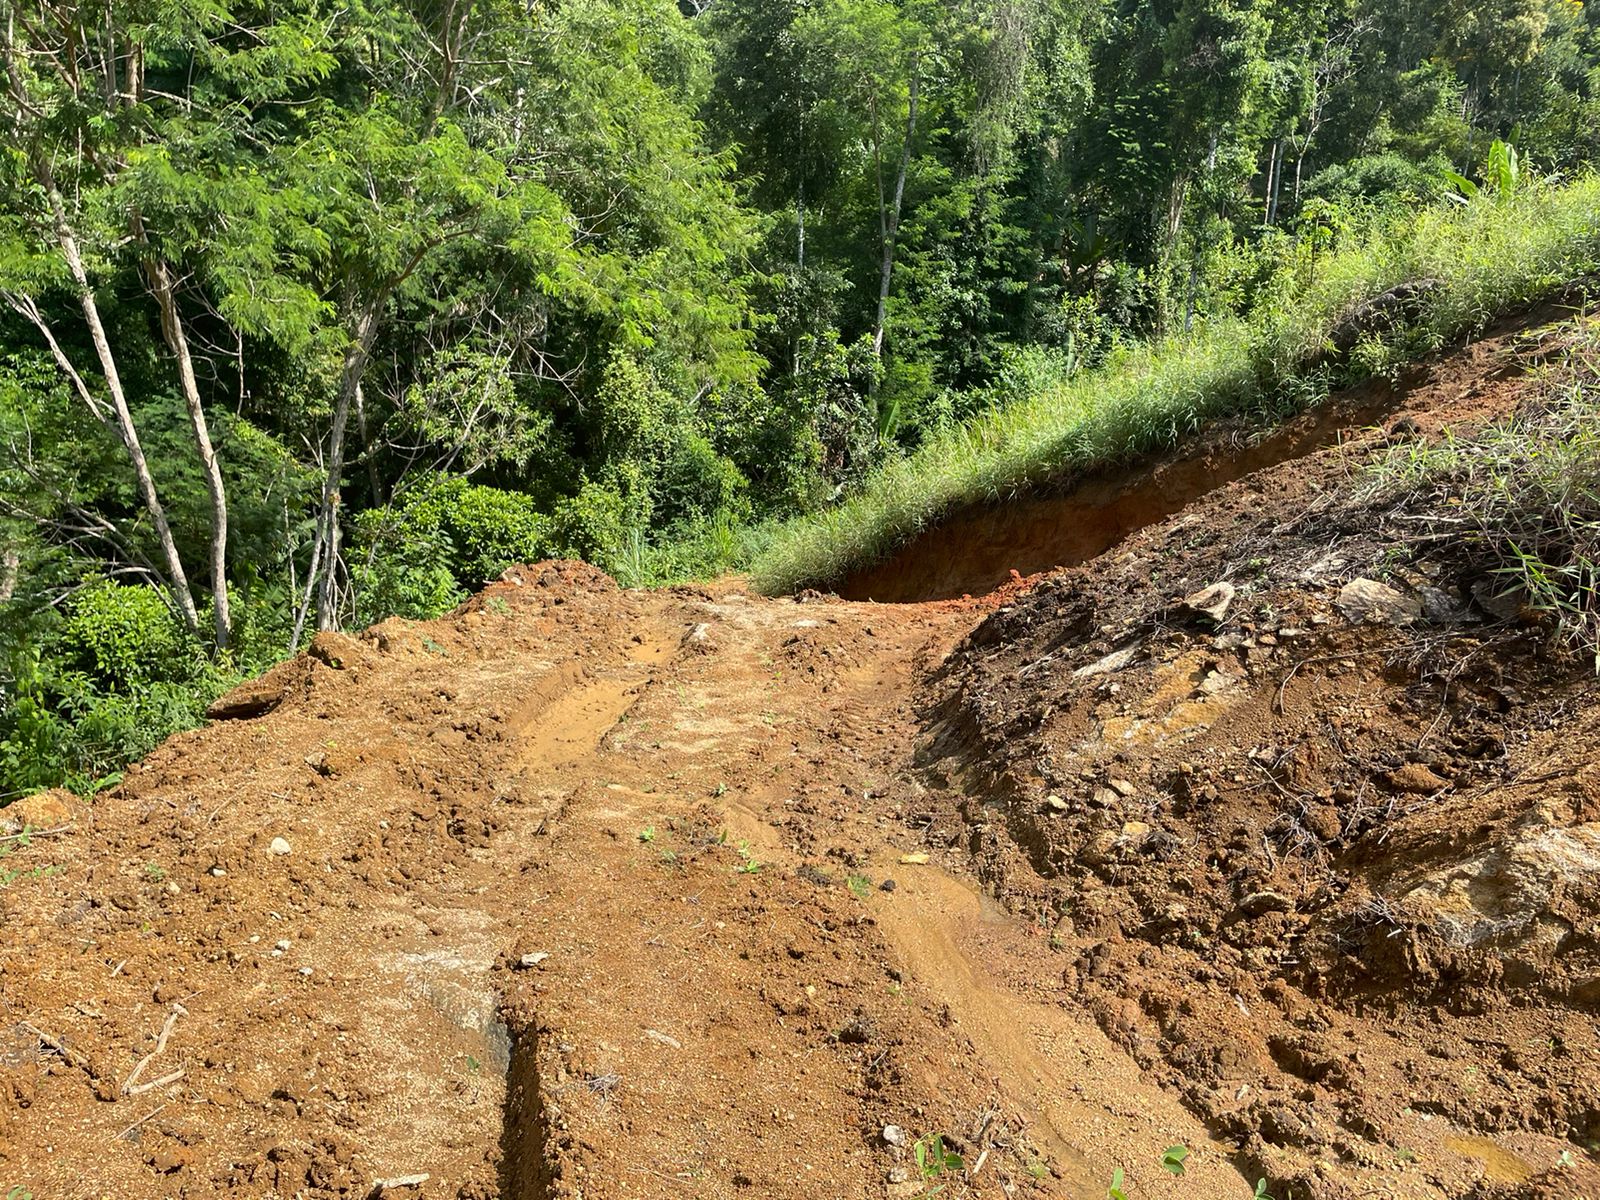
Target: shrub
(442, 537)
(124, 636)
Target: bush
(124, 636)
(442, 538)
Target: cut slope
(1324, 849)
(1449, 274)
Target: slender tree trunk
(355, 364)
(889, 216)
(1274, 169)
(178, 579)
(1277, 183)
(10, 566)
(373, 481)
(172, 329)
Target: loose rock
(1368, 602)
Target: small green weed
(155, 872)
(647, 834)
(497, 604)
(934, 1159)
(860, 886)
(1116, 1190)
(1172, 1160)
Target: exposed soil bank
(976, 549)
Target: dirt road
(586, 892)
(683, 812)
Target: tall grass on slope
(1483, 259)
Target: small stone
(1112, 662)
(1055, 804)
(888, 885)
(894, 1135)
(279, 846)
(1368, 602)
(1211, 602)
(218, 872)
(1415, 779)
(1122, 787)
(1506, 604)
(532, 960)
(1135, 831)
(1258, 904)
(899, 1175)
(914, 860)
(1104, 798)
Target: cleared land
(585, 892)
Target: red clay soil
(587, 892)
(976, 549)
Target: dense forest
(315, 314)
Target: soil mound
(1313, 828)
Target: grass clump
(1521, 500)
(1479, 261)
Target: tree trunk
(172, 329)
(373, 481)
(889, 218)
(355, 364)
(1277, 185)
(178, 580)
(1274, 169)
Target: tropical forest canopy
(317, 314)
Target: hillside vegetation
(1448, 270)
(315, 316)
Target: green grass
(1488, 260)
(1520, 501)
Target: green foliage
(441, 539)
(122, 637)
(1116, 1191)
(1145, 398)
(1172, 1159)
(934, 1159)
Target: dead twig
(60, 1047)
(30, 834)
(157, 1109)
(161, 1046)
(171, 1077)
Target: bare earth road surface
(589, 892)
(680, 810)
